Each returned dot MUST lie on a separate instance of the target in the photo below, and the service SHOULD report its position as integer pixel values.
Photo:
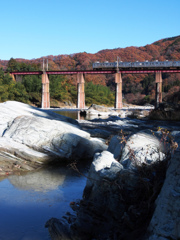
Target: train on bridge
(137, 65)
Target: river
(27, 201)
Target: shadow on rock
(118, 200)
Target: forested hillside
(137, 89)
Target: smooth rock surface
(165, 223)
(116, 147)
(31, 134)
(142, 147)
(11, 109)
(103, 166)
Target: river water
(28, 201)
(70, 113)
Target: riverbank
(31, 138)
(117, 203)
(123, 148)
(129, 188)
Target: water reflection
(41, 181)
(27, 201)
(70, 113)
(75, 114)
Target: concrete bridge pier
(118, 96)
(45, 91)
(13, 77)
(80, 91)
(18, 78)
(158, 78)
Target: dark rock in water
(83, 113)
(166, 111)
(58, 229)
(97, 110)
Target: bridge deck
(112, 71)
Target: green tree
(32, 83)
(13, 65)
(60, 89)
(18, 92)
(98, 94)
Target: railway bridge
(80, 82)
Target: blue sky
(35, 28)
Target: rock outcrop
(165, 223)
(131, 111)
(97, 110)
(141, 148)
(29, 134)
(118, 200)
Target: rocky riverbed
(133, 188)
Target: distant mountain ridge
(137, 88)
(164, 49)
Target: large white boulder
(11, 109)
(36, 132)
(18, 151)
(142, 148)
(41, 135)
(103, 166)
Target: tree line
(29, 88)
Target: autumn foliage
(137, 89)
